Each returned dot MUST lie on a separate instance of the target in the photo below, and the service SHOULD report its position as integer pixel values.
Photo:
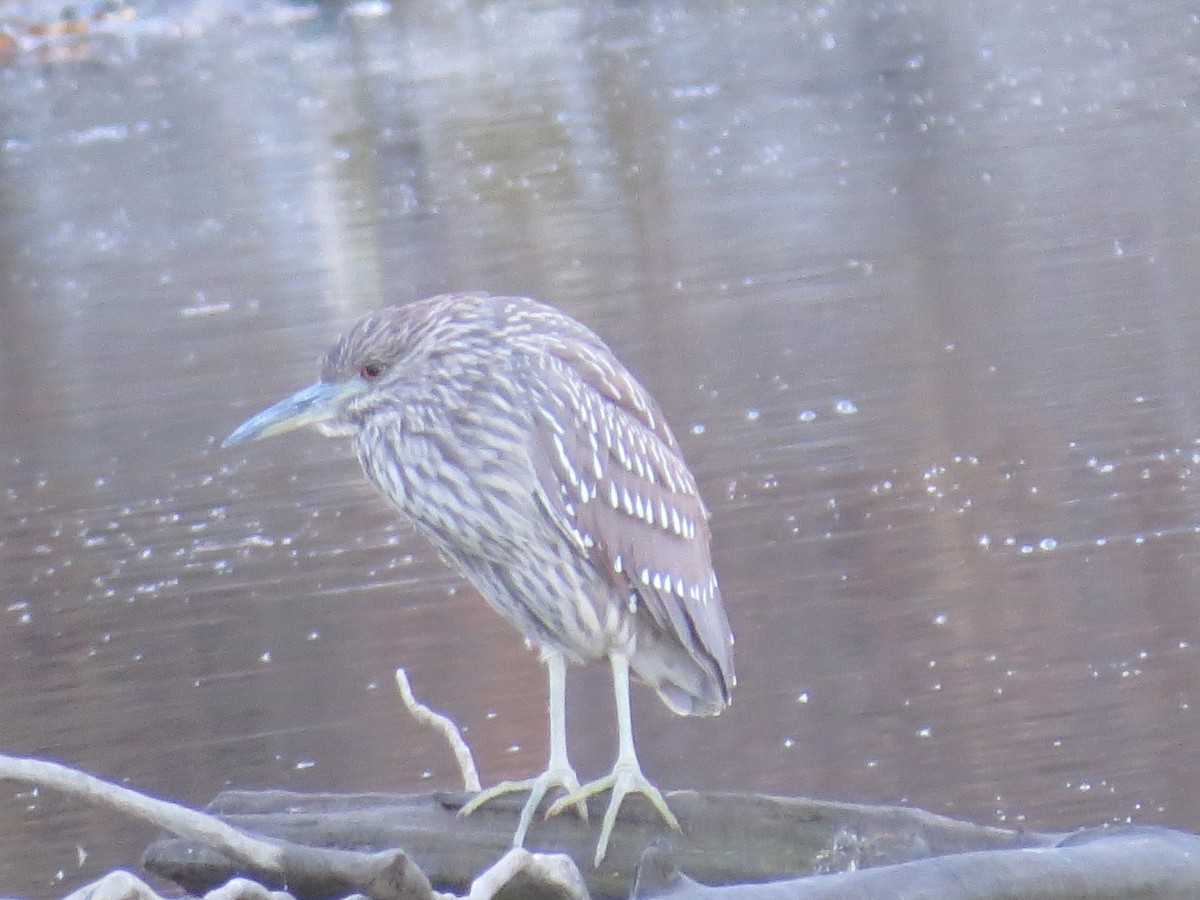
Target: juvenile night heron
(519, 445)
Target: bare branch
(422, 713)
(178, 820)
(387, 874)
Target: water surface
(913, 281)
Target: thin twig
(422, 713)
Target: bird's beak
(316, 404)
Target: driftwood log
(726, 839)
(732, 847)
(340, 845)
(730, 842)
(1098, 864)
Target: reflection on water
(911, 280)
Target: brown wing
(616, 484)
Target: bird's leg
(558, 770)
(626, 776)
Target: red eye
(372, 370)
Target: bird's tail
(689, 683)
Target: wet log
(726, 839)
(1098, 864)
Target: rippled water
(914, 283)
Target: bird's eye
(372, 370)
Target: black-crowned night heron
(527, 453)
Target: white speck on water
(305, 763)
(205, 308)
(925, 732)
(1047, 544)
(513, 748)
(872, 763)
(698, 428)
(314, 635)
(803, 697)
(99, 134)
(266, 657)
(789, 743)
(807, 415)
(940, 619)
(845, 407)
(368, 9)
(753, 414)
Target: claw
(624, 779)
(538, 788)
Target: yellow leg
(626, 776)
(558, 770)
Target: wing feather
(615, 483)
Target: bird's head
(357, 374)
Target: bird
(514, 440)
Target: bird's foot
(624, 779)
(563, 776)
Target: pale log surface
(1099, 864)
(727, 838)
